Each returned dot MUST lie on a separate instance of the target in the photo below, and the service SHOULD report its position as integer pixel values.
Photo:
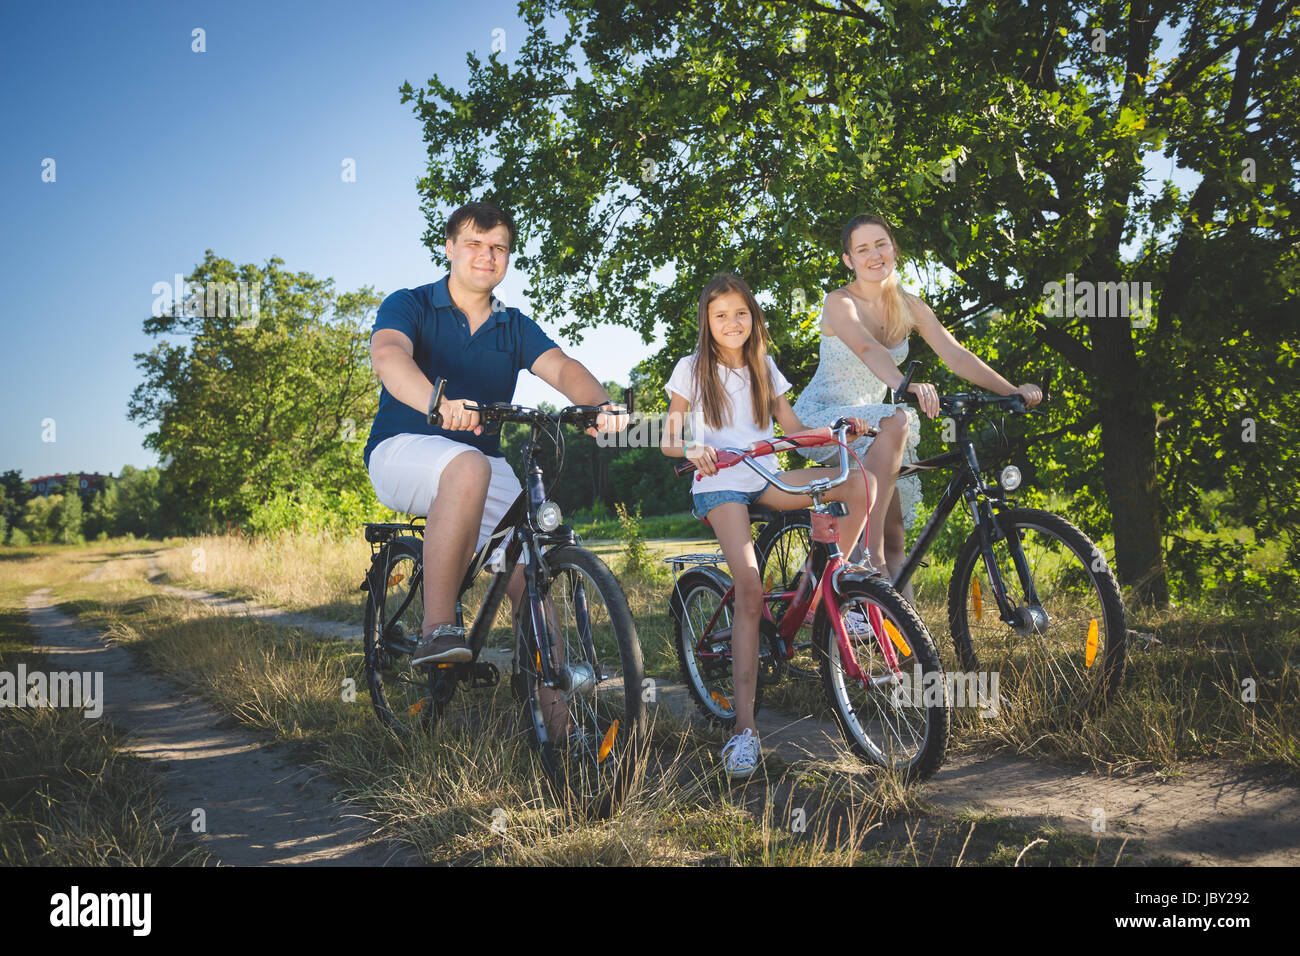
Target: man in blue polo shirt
(457, 330)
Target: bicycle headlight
(548, 516)
(1010, 478)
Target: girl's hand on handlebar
(858, 428)
(1031, 393)
(457, 418)
(927, 397)
(704, 458)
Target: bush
(18, 539)
(636, 556)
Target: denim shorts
(706, 502)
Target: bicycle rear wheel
(901, 727)
(782, 548)
(1061, 655)
(704, 655)
(591, 732)
(394, 616)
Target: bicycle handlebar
(583, 416)
(836, 434)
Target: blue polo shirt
(482, 367)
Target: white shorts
(405, 471)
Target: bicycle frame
(522, 544)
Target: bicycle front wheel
(1064, 651)
(899, 725)
(590, 729)
(394, 616)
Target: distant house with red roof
(84, 481)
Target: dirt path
(1213, 814)
(257, 806)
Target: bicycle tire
(1050, 669)
(695, 598)
(592, 769)
(401, 694)
(869, 717)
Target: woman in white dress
(865, 327)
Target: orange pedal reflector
(897, 639)
(396, 578)
(720, 700)
(415, 708)
(607, 744)
(1091, 654)
(975, 597)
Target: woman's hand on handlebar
(704, 458)
(927, 397)
(1031, 393)
(457, 418)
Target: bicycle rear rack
(379, 533)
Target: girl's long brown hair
(899, 320)
(708, 386)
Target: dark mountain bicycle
(576, 659)
(1031, 598)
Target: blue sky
(162, 153)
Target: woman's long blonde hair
(899, 320)
(708, 386)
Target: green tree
(39, 518)
(256, 406)
(65, 518)
(644, 146)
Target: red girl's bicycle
(879, 666)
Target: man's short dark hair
(485, 216)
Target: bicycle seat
(758, 514)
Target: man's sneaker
(740, 756)
(445, 644)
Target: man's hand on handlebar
(614, 420)
(457, 418)
(704, 458)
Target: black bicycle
(1031, 600)
(576, 664)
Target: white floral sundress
(843, 387)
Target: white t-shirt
(739, 432)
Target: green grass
(1181, 702)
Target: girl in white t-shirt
(731, 390)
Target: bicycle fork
(1025, 618)
(826, 531)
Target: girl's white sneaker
(740, 755)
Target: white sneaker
(740, 756)
(856, 623)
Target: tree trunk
(1128, 443)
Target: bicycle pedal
(486, 674)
